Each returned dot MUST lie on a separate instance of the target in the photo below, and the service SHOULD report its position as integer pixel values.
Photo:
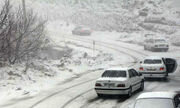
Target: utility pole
(24, 9)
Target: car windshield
(160, 41)
(114, 73)
(154, 103)
(152, 61)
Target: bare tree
(19, 38)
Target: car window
(134, 72)
(160, 40)
(130, 73)
(154, 103)
(114, 73)
(152, 61)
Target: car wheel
(100, 95)
(129, 92)
(164, 79)
(142, 86)
(165, 50)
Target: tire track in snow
(132, 56)
(44, 99)
(104, 44)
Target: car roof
(160, 38)
(146, 95)
(153, 57)
(119, 68)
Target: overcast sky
(176, 3)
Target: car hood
(112, 79)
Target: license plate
(109, 84)
(106, 84)
(151, 69)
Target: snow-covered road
(79, 92)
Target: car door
(171, 65)
(137, 79)
(132, 79)
(177, 101)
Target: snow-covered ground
(76, 61)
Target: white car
(119, 81)
(156, 44)
(157, 67)
(158, 100)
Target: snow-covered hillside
(159, 17)
(129, 21)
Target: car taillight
(98, 84)
(121, 85)
(141, 68)
(162, 68)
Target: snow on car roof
(118, 68)
(153, 57)
(157, 95)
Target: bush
(21, 36)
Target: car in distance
(157, 44)
(157, 67)
(158, 100)
(119, 81)
(82, 31)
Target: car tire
(142, 86)
(152, 49)
(100, 95)
(164, 79)
(166, 50)
(129, 92)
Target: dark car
(82, 31)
